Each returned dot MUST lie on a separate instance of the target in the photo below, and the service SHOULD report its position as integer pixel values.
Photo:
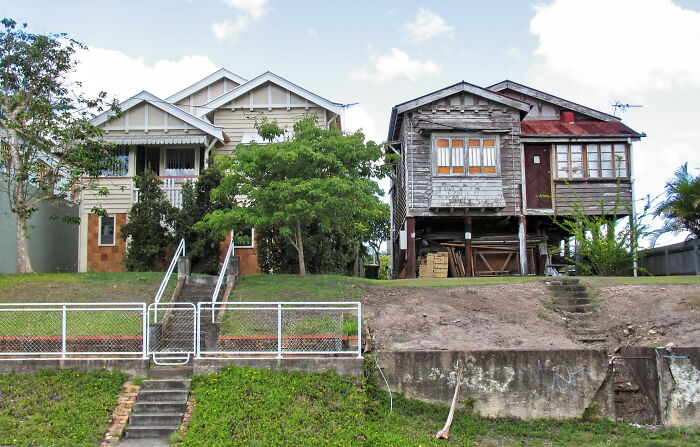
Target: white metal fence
(176, 332)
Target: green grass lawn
(246, 407)
(57, 408)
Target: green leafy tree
(376, 229)
(148, 229)
(681, 208)
(202, 244)
(47, 144)
(319, 180)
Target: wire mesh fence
(171, 328)
(72, 330)
(281, 328)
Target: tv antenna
(622, 107)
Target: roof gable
(260, 80)
(563, 103)
(203, 83)
(154, 101)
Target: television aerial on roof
(623, 107)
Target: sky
(382, 53)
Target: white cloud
(428, 25)
(254, 8)
(396, 64)
(250, 11)
(358, 118)
(123, 76)
(311, 32)
(640, 52)
(229, 28)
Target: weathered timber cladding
(462, 114)
(593, 196)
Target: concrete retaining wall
(343, 366)
(507, 383)
(671, 381)
(133, 367)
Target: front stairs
(573, 301)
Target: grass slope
(246, 407)
(57, 408)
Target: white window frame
(465, 155)
(252, 240)
(617, 168)
(164, 159)
(114, 231)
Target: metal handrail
(224, 267)
(179, 252)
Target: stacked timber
(433, 265)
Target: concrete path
(144, 443)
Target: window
(592, 161)
(459, 156)
(450, 155)
(120, 163)
(106, 230)
(179, 162)
(482, 156)
(243, 238)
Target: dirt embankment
(519, 316)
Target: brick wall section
(249, 257)
(105, 258)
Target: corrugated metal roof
(156, 139)
(578, 128)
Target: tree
(47, 142)
(319, 179)
(376, 229)
(148, 229)
(681, 208)
(202, 244)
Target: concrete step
(160, 407)
(142, 432)
(562, 281)
(161, 395)
(571, 301)
(568, 288)
(591, 339)
(587, 331)
(572, 295)
(166, 384)
(191, 280)
(170, 372)
(155, 419)
(575, 308)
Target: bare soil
(521, 316)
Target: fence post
(359, 330)
(144, 329)
(63, 332)
(279, 331)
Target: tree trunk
(300, 248)
(24, 264)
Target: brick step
(166, 384)
(575, 308)
(143, 432)
(161, 395)
(170, 372)
(155, 419)
(160, 407)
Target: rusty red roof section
(578, 128)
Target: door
(538, 177)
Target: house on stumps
(480, 172)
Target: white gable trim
(153, 100)
(462, 87)
(197, 86)
(260, 80)
(525, 90)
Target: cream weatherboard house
(174, 136)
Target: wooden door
(538, 177)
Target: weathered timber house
(480, 172)
(174, 137)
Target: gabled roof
(449, 91)
(529, 91)
(260, 80)
(175, 111)
(217, 75)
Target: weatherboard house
(480, 172)
(174, 137)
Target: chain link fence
(282, 328)
(72, 330)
